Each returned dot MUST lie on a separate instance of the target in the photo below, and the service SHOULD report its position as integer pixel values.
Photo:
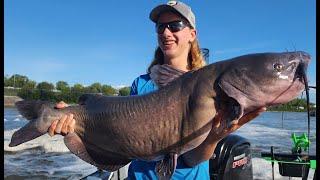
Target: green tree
(62, 86)
(125, 91)
(17, 80)
(76, 91)
(9, 81)
(44, 91)
(30, 85)
(95, 88)
(5, 80)
(45, 86)
(29, 94)
(108, 90)
(77, 87)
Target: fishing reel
(300, 142)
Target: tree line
(25, 88)
(297, 105)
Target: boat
(99, 174)
(294, 164)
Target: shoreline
(8, 101)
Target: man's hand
(219, 127)
(64, 125)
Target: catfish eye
(278, 67)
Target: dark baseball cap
(176, 6)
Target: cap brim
(154, 15)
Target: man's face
(174, 44)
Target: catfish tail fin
(33, 111)
(26, 133)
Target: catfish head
(265, 79)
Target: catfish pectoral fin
(77, 147)
(167, 166)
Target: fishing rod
(308, 107)
(305, 79)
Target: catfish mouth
(300, 74)
(301, 71)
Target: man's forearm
(205, 150)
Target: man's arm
(219, 131)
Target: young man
(177, 47)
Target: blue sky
(112, 42)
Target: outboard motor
(232, 159)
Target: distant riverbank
(10, 100)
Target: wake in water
(42, 158)
(45, 142)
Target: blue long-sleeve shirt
(139, 169)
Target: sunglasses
(173, 26)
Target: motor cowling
(232, 159)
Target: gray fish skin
(111, 131)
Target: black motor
(232, 159)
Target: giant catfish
(164, 124)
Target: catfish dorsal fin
(164, 74)
(86, 98)
(30, 109)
